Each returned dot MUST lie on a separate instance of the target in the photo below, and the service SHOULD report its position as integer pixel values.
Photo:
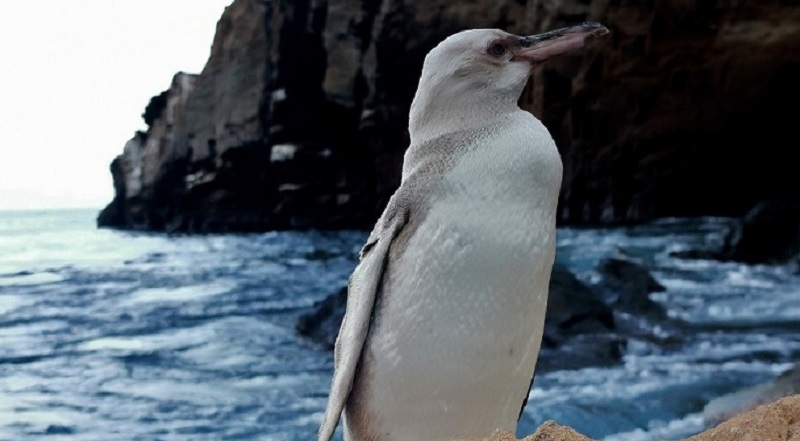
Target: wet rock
(769, 233)
(579, 351)
(727, 406)
(699, 254)
(578, 326)
(572, 307)
(627, 285)
(659, 121)
(322, 323)
(57, 429)
(115, 213)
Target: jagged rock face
(686, 112)
(299, 119)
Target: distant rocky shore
(298, 119)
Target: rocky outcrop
(769, 233)
(579, 329)
(627, 286)
(778, 421)
(248, 144)
(299, 117)
(572, 306)
(147, 174)
(322, 323)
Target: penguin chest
(473, 285)
(459, 326)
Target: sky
(75, 76)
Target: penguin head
(482, 72)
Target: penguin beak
(537, 49)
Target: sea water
(110, 335)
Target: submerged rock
(627, 286)
(769, 233)
(579, 327)
(299, 118)
(322, 323)
(573, 308)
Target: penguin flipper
(361, 294)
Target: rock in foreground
(779, 421)
(549, 431)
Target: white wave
(218, 393)
(40, 278)
(9, 303)
(744, 276)
(682, 284)
(180, 294)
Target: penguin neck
(435, 114)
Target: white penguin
(446, 308)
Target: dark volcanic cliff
(299, 117)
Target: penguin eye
(497, 49)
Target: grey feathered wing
(361, 294)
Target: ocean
(112, 335)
